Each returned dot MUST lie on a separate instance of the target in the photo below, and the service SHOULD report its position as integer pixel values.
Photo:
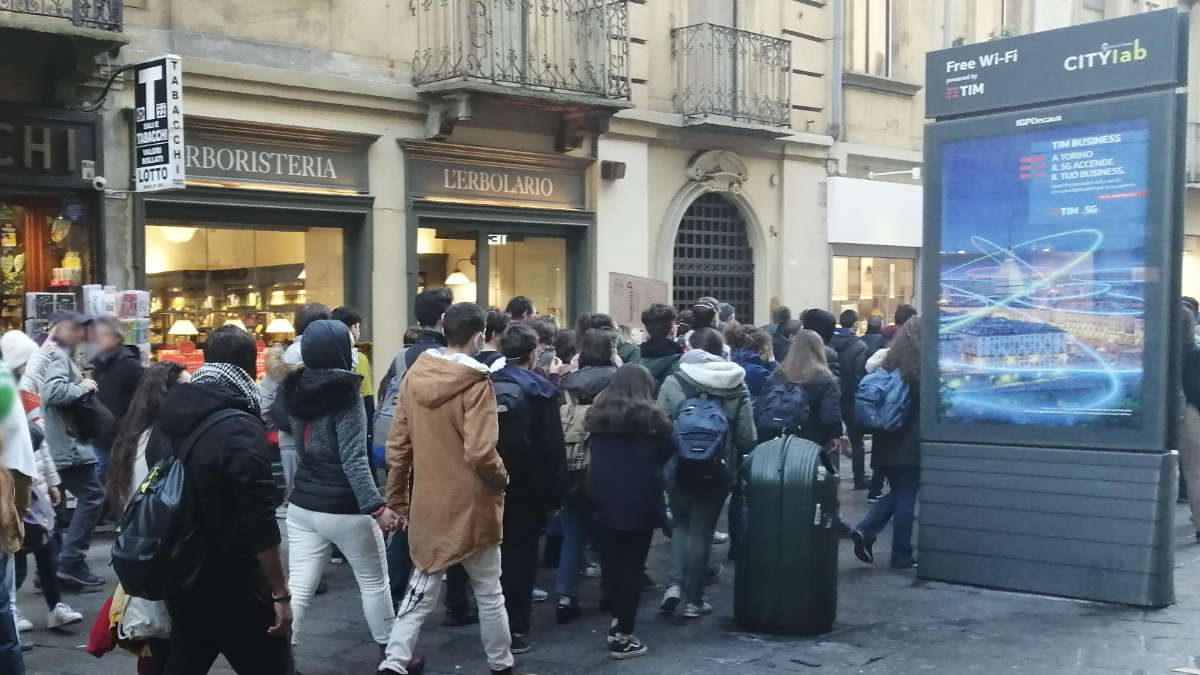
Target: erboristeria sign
(1133, 52)
(158, 124)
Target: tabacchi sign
(158, 124)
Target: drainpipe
(837, 66)
(948, 24)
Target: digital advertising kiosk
(1050, 294)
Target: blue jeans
(901, 503)
(576, 520)
(82, 482)
(11, 661)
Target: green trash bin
(787, 566)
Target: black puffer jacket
(118, 375)
(324, 401)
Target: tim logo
(963, 90)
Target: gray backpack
(386, 410)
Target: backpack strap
(185, 450)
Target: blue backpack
(881, 401)
(701, 435)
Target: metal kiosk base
(1075, 523)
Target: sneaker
(23, 625)
(612, 633)
(567, 609)
(873, 499)
(720, 538)
(670, 600)
(629, 648)
(520, 643)
(905, 565)
(76, 572)
(592, 571)
(62, 616)
(540, 595)
(337, 559)
(694, 611)
(467, 618)
(862, 547)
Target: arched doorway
(713, 256)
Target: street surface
(888, 622)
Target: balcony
(551, 53)
(87, 14)
(732, 79)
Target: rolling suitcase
(787, 568)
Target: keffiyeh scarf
(233, 378)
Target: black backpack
(516, 423)
(783, 409)
(157, 549)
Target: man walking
(446, 481)
(239, 605)
(852, 366)
(63, 388)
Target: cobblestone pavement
(888, 622)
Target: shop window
(1191, 266)
(45, 245)
(531, 266)
(517, 265)
(871, 286)
(870, 37)
(200, 278)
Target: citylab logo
(1028, 121)
(1107, 55)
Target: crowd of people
(490, 432)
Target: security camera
(99, 183)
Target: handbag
(144, 619)
(89, 421)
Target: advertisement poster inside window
(1043, 276)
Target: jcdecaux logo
(1107, 55)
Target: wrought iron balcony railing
(732, 73)
(577, 47)
(102, 14)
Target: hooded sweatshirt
(719, 379)
(324, 401)
(445, 474)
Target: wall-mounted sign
(490, 175)
(158, 124)
(628, 296)
(52, 147)
(232, 153)
(1133, 52)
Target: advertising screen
(1043, 275)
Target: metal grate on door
(713, 256)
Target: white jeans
(424, 591)
(310, 534)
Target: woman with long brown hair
(128, 461)
(805, 365)
(630, 442)
(898, 457)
